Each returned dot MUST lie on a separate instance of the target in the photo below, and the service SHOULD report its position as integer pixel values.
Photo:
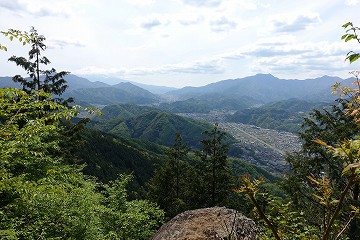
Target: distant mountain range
(151, 88)
(265, 88)
(232, 94)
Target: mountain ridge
(263, 87)
(259, 88)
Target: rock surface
(217, 223)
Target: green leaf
(347, 24)
(350, 37)
(350, 166)
(11, 38)
(353, 57)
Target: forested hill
(265, 88)
(207, 103)
(149, 124)
(286, 115)
(107, 155)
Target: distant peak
(264, 74)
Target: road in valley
(234, 129)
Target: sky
(181, 43)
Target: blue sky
(186, 42)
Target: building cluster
(263, 147)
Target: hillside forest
(76, 163)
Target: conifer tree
(171, 186)
(216, 174)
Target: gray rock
(217, 223)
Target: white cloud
(203, 3)
(294, 24)
(12, 5)
(30, 8)
(191, 20)
(140, 3)
(56, 43)
(222, 25)
(198, 67)
(298, 58)
(351, 2)
(151, 23)
(94, 70)
(168, 40)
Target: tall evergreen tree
(171, 186)
(216, 174)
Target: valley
(262, 147)
(262, 119)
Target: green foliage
(172, 185)
(278, 217)
(325, 180)
(351, 34)
(43, 197)
(332, 126)
(53, 82)
(23, 37)
(215, 172)
(240, 168)
(129, 220)
(107, 155)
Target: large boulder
(217, 223)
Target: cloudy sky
(185, 42)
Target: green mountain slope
(287, 115)
(207, 103)
(107, 155)
(111, 95)
(149, 124)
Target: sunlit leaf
(352, 58)
(347, 24)
(320, 142)
(350, 37)
(350, 166)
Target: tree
(13, 33)
(42, 196)
(332, 168)
(351, 33)
(45, 196)
(171, 186)
(49, 81)
(215, 173)
(332, 126)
